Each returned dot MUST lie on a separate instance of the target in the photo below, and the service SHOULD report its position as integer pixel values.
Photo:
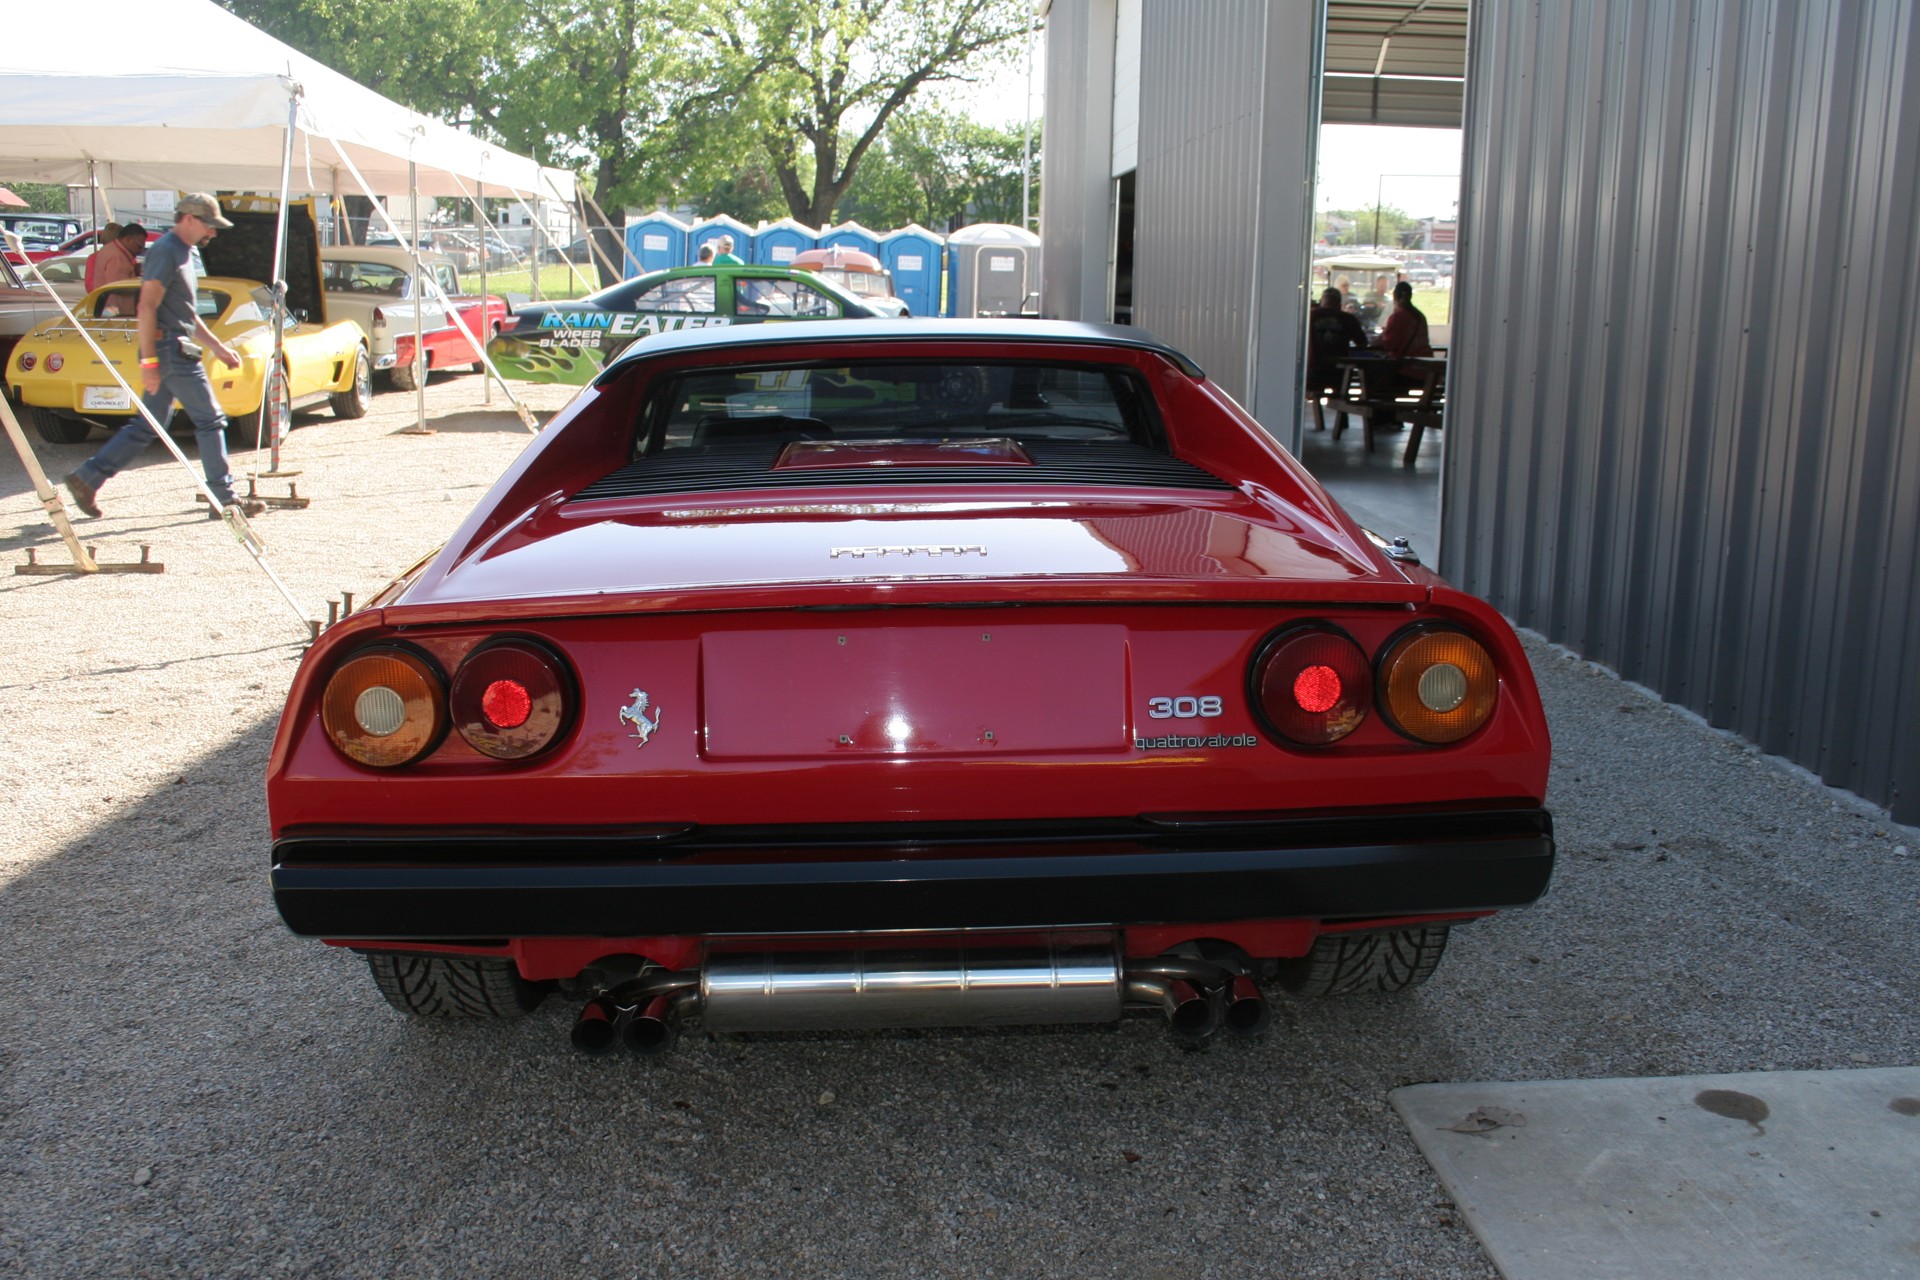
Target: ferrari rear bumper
(400, 885)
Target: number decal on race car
(1184, 708)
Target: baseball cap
(202, 206)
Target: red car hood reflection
(605, 549)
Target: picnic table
(1386, 391)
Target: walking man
(170, 367)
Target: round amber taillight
(385, 707)
(510, 699)
(1312, 685)
(1438, 685)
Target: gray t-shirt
(172, 262)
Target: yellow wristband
(149, 362)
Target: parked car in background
(578, 251)
(54, 373)
(570, 341)
(372, 285)
(906, 675)
(66, 273)
(22, 307)
(858, 272)
(40, 233)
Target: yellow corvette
(60, 382)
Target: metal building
(1684, 430)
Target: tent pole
(453, 312)
(480, 225)
(93, 206)
(621, 271)
(269, 427)
(419, 302)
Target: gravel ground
(186, 1089)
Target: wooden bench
(1377, 392)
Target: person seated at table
(1405, 332)
(1402, 337)
(1332, 332)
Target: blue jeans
(184, 379)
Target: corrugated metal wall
(1076, 191)
(1200, 132)
(1228, 105)
(1684, 438)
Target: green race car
(570, 342)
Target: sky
(1414, 170)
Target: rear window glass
(899, 401)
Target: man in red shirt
(1405, 333)
(118, 258)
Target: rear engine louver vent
(751, 466)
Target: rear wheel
(55, 428)
(452, 987)
(355, 400)
(1359, 963)
(402, 375)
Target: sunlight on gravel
(115, 684)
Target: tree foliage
(657, 100)
(942, 171)
(1358, 226)
(808, 87)
(41, 197)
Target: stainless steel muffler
(813, 991)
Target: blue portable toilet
(993, 270)
(912, 256)
(713, 228)
(851, 235)
(655, 243)
(776, 244)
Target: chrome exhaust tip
(648, 1028)
(593, 1030)
(1247, 1013)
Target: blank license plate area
(104, 398)
(914, 691)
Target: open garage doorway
(1386, 213)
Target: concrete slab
(1756, 1176)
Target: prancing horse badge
(635, 714)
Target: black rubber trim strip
(392, 886)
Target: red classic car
(870, 675)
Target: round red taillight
(28, 360)
(1312, 685)
(510, 699)
(55, 362)
(385, 707)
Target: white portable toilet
(993, 270)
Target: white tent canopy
(200, 100)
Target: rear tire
(355, 400)
(57, 429)
(453, 987)
(402, 375)
(1364, 963)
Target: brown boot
(83, 494)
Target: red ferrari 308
(883, 675)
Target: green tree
(41, 197)
(815, 83)
(444, 58)
(1395, 226)
(942, 171)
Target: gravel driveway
(188, 1090)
